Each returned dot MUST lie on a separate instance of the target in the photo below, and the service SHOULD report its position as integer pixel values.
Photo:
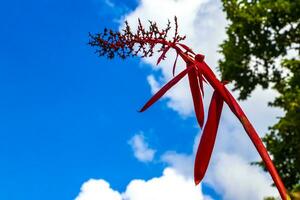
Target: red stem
(237, 110)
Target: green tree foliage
(283, 141)
(263, 48)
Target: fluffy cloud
(141, 149)
(236, 179)
(97, 189)
(183, 163)
(171, 185)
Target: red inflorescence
(143, 41)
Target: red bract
(196, 94)
(124, 44)
(208, 137)
(165, 88)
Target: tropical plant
(142, 42)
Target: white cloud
(97, 190)
(183, 163)
(171, 185)
(236, 179)
(141, 149)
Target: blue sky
(67, 115)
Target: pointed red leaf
(197, 99)
(208, 137)
(174, 65)
(165, 88)
(163, 55)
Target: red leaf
(186, 48)
(197, 99)
(208, 137)
(163, 55)
(165, 88)
(174, 66)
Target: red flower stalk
(143, 42)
